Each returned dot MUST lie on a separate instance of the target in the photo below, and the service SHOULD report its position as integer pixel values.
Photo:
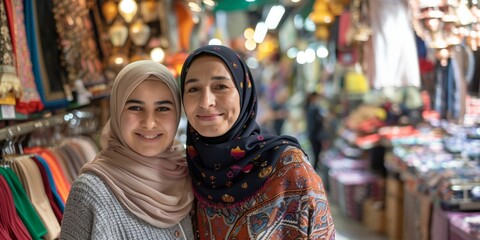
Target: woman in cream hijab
(138, 186)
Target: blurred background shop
(397, 85)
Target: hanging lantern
(139, 32)
(118, 60)
(139, 55)
(322, 17)
(109, 11)
(149, 10)
(337, 7)
(118, 34)
(157, 54)
(127, 9)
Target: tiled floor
(351, 229)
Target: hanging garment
(30, 177)
(474, 84)
(24, 207)
(8, 73)
(88, 146)
(42, 42)
(48, 190)
(53, 186)
(79, 51)
(9, 220)
(65, 163)
(441, 89)
(393, 40)
(30, 101)
(462, 67)
(63, 185)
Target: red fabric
(425, 65)
(48, 190)
(10, 222)
(11, 25)
(28, 107)
(344, 24)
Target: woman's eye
(220, 87)
(192, 89)
(134, 108)
(163, 109)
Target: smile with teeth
(149, 136)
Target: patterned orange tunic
(291, 205)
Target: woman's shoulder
(293, 154)
(89, 185)
(88, 180)
(294, 164)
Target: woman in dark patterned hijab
(247, 183)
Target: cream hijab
(156, 189)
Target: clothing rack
(10, 132)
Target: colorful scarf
(232, 167)
(30, 101)
(8, 73)
(156, 189)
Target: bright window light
(215, 41)
(310, 55)
(274, 16)
(292, 52)
(301, 57)
(260, 32)
(322, 52)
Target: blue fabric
(421, 47)
(36, 56)
(53, 186)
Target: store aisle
(351, 229)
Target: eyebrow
(135, 101)
(216, 78)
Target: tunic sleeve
(78, 216)
(314, 209)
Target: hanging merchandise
(8, 74)
(118, 34)
(355, 81)
(139, 32)
(50, 78)
(109, 11)
(394, 59)
(133, 29)
(78, 48)
(30, 101)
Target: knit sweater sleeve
(82, 207)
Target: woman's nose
(207, 99)
(149, 121)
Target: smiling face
(211, 100)
(148, 122)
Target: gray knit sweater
(93, 212)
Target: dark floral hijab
(231, 168)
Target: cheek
(234, 103)
(188, 107)
(126, 125)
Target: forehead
(206, 58)
(149, 86)
(207, 64)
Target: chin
(151, 153)
(211, 133)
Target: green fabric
(24, 207)
(243, 5)
(306, 9)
